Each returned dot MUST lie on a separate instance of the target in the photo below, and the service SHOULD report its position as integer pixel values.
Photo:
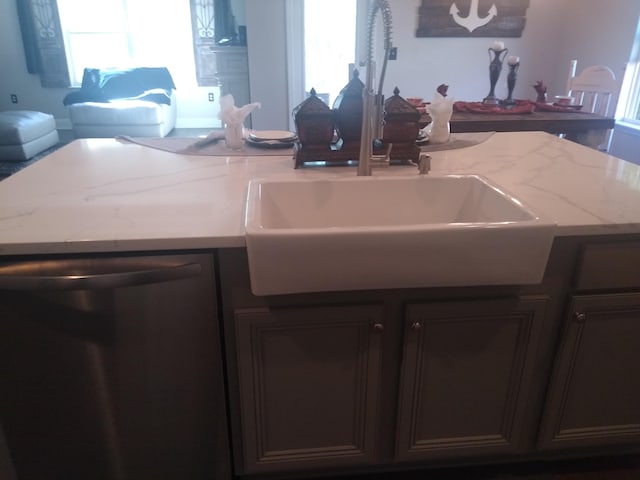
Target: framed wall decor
(472, 18)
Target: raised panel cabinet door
(309, 385)
(465, 374)
(594, 396)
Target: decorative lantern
(314, 126)
(347, 109)
(401, 128)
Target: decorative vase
(495, 67)
(234, 136)
(514, 64)
(440, 111)
(439, 132)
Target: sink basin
(390, 232)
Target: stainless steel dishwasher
(110, 368)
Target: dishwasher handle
(91, 281)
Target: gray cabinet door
(466, 370)
(309, 386)
(594, 397)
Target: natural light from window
(628, 110)
(329, 50)
(128, 33)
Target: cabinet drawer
(609, 266)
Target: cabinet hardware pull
(416, 326)
(580, 317)
(378, 327)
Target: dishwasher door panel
(118, 382)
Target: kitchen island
(101, 195)
(385, 379)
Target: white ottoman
(24, 133)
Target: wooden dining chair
(593, 89)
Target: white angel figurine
(233, 118)
(440, 110)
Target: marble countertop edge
(98, 195)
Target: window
(127, 33)
(329, 51)
(96, 34)
(629, 104)
(321, 45)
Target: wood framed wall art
(472, 18)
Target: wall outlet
(211, 97)
(14, 98)
(393, 53)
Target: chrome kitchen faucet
(373, 102)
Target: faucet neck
(373, 102)
(383, 7)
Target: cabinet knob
(416, 326)
(580, 317)
(378, 327)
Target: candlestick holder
(511, 83)
(495, 67)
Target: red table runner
(521, 106)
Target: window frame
(628, 110)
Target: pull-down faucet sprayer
(373, 102)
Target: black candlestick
(495, 67)
(511, 82)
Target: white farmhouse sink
(390, 232)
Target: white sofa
(136, 102)
(135, 118)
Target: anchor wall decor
(472, 18)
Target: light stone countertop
(100, 195)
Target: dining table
(550, 122)
(577, 125)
